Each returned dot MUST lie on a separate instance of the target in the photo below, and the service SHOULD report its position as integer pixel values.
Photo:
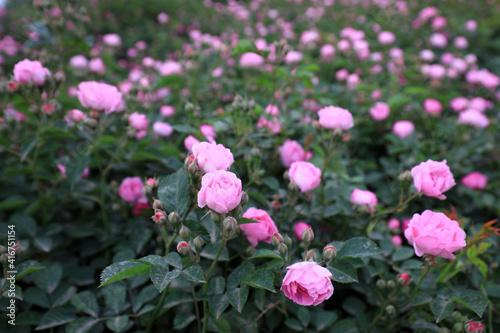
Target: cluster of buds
(150, 185)
(281, 243)
(191, 165)
(229, 225)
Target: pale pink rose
(208, 132)
(459, 103)
(299, 228)
(100, 96)
(393, 224)
(130, 190)
(251, 59)
(293, 57)
(212, 156)
(344, 45)
(162, 129)
(376, 57)
(138, 121)
(427, 55)
(435, 234)
(380, 111)
(218, 72)
(436, 71)
(438, 40)
(220, 191)
(396, 53)
(427, 13)
(305, 175)
(364, 198)
(432, 106)
(341, 74)
(140, 134)
(112, 40)
(96, 65)
(396, 240)
(475, 180)
(162, 18)
(470, 25)
(352, 81)
(307, 283)
(261, 231)
(478, 103)
(327, 52)
(167, 111)
(170, 67)
(376, 94)
(27, 71)
(62, 170)
(461, 42)
(386, 38)
(148, 62)
(439, 23)
(189, 142)
(333, 117)
(78, 61)
(474, 118)
(76, 116)
(459, 64)
(291, 151)
(447, 58)
(433, 178)
(272, 110)
(310, 37)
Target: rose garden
(250, 166)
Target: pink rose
(170, 68)
(403, 128)
(251, 59)
(162, 129)
(212, 156)
(78, 61)
(272, 110)
(432, 106)
(386, 37)
(433, 178)
(96, 65)
(459, 103)
(189, 142)
(130, 190)
(138, 121)
(220, 191)
(261, 231)
(327, 52)
(305, 175)
(62, 170)
(364, 198)
(208, 132)
(100, 96)
(299, 228)
(475, 180)
(435, 234)
(74, 116)
(393, 224)
(307, 283)
(27, 71)
(380, 111)
(167, 111)
(112, 40)
(474, 118)
(293, 57)
(291, 151)
(333, 117)
(396, 240)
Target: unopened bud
(391, 284)
(183, 248)
(238, 210)
(390, 310)
(189, 159)
(405, 176)
(381, 284)
(189, 107)
(174, 218)
(160, 217)
(456, 316)
(403, 279)
(329, 252)
(59, 76)
(157, 204)
(459, 328)
(276, 239)
(308, 235)
(215, 217)
(229, 224)
(193, 168)
(282, 249)
(146, 190)
(244, 199)
(443, 330)
(184, 232)
(311, 256)
(198, 243)
(287, 240)
(152, 183)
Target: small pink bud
(405, 278)
(183, 248)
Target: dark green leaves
(237, 297)
(442, 307)
(27, 267)
(263, 253)
(218, 304)
(262, 279)
(175, 193)
(472, 300)
(343, 271)
(194, 273)
(123, 270)
(358, 247)
(161, 277)
(86, 302)
(56, 317)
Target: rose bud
(308, 235)
(404, 279)
(174, 218)
(276, 239)
(329, 252)
(160, 217)
(183, 248)
(198, 243)
(184, 232)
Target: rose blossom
(78, 61)
(208, 132)
(100, 96)
(75, 116)
(386, 38)
(435, 234)
(393, 224)
(327, 52)
(380, 111)
(261, 231)
(162, 128)
(475, 180)
(433, 178)
(432, 106)
(396, 240)
(291, 151)
(220, 191)
(212, 156)
(189, 142)
(403, 128)
(167, 111)
(459, 103)
(305, 175)
(27, 71)
(299, 228)
(138, 121)
(307, 283)
(130, 190)
(272, 110)
(333, 117)
(293, 57)
(112, 40)
(96, 65)
(474, 118)
(364, 198)
(251, 59)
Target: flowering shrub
(258, 166)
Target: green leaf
(117, 324)
(184, 128)
(210, 252)
(25, 149)
(36, 296)
(358, 247)
(421, 298)
(86, 302)
(218, 304)
(403, 253)
(304, 316)
(54, 132)
(114, 297)
(182, 320)
(175, 192)
(123, 270)
(471, 299)
(239, 274)
(237, 297)
(294, 324)
(145, 295)
(76, 166)
(442, 307)
(216, 285)
(62, 294)
(194, 273)
(343, 271)
(262, 279)
(174, 259)
(161, 277)
(27, 267)
(263, 253)
(81, 325)
(166, 80)
(345, 326)
(43, 243)
(11, 204)
(153, 260)
(244, 46)
(48, 279)
(56, 317)
(325, 319)
(244, 220)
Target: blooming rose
(433, 178)
(78, 61)
(112, 40)
(208, 131)
(435, 234)
(167, 111)
(220, 191)
(27, 71)
(291, 151)
(138, 121)
(475, 180)
(170, 68)
(299, 228)
(96, 65)
(251, 59)
(293, 57)
(100, 96)
(212, 156)
(307, 283)
(432, 106)
(380, 111)
(386, 37)
(263, 230)
(305, 175)
(333, 117)
(162, 128)
(76, 116)
(403, 128)
(474, 118)
(393, 224)
(272, 109)
(189, 142)
(364, 198)
(130, 190)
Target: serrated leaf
(43, 243)
(262, 279)
(216, 285)
(358, 247)
(421, 298)
(218, 304)
(194, 273)
(56, 317)
(114, 297)
(182, 320)
(403, 253)
(145, 295)
(27, 267)
(294, 324)
(48, 279)
(237, 297)
(25, 149)
(304, 316)
(86, 302)
(442, 307)
(122, 270)
(154, 260)
(325, 319)
(161, 277)
(117, 324)
(36, 296)
(343, 271)
(264, 253)
(81, 325)
(62, 294)
(174, 260)
(175, 192)
(239, 274)
(76, 166)
(472, 300)
(345, 326)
